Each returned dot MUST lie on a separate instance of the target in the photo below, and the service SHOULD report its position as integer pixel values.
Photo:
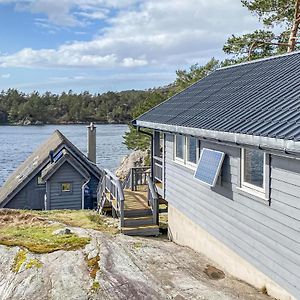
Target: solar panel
(209, 166)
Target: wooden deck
(135, 200)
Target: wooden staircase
(136, 206)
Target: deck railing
(153, 200)
(111, 187)
(138, 176)
(158, 168)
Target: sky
(111, 45)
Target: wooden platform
(138, 214)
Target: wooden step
(137, 212)
(147, 230)
(138, 221)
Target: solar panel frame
(218, 168)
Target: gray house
(56, 176)
(239, 203)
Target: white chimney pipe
(91, 142)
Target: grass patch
(137, 245)
(19, 260)
(40, 239)
(33, 230)
(95, 286)
(79, 218)
(34, 263)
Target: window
(40, 181)
(253, 169)
(191, 155)
(179, 147)
(186, 150)
(66, 187)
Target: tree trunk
(295, 27)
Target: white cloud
(152, 33)
(5, 76)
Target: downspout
(152, 154)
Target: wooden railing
(111, 187)
(158, 168)
(153, 200)
(138, 176)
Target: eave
(282, 145)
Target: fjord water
(18, 142)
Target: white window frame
(251, 187)
(190, 163)
(185, 161)
(176, 158)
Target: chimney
(91, 142)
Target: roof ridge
(260, 60)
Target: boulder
(137, 158)
(62, 231)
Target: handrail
(112, 184)
(158, 158)
(153, 200)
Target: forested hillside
(35, 108)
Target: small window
(191, 150)
(179, 146)
(66, 187)
(40, 181)
(253, 169)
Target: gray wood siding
(66, 200)
(266, 236)
(30, 197)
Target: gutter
(151, 137)
(288, 147)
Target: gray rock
(135, 159)
(62, 231)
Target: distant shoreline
(62, 123)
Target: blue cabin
(56, 176)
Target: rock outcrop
(135, 159)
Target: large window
(186, 150)
(253, 169)
(179, 147)
(192, 155)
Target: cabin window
(186, 150)
(191, 153)
(179, 147)
(253, 169)
(66, 187)
(40, 181)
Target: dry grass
(79, 218)
(35, 233)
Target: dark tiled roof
(36, 162)
(259, 98)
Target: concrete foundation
(185, 232)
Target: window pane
(192, 150)
(66, 187)
(179, 146)
(254, 167)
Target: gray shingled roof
(36, 162)
(260, 98)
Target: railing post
(131, 179)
